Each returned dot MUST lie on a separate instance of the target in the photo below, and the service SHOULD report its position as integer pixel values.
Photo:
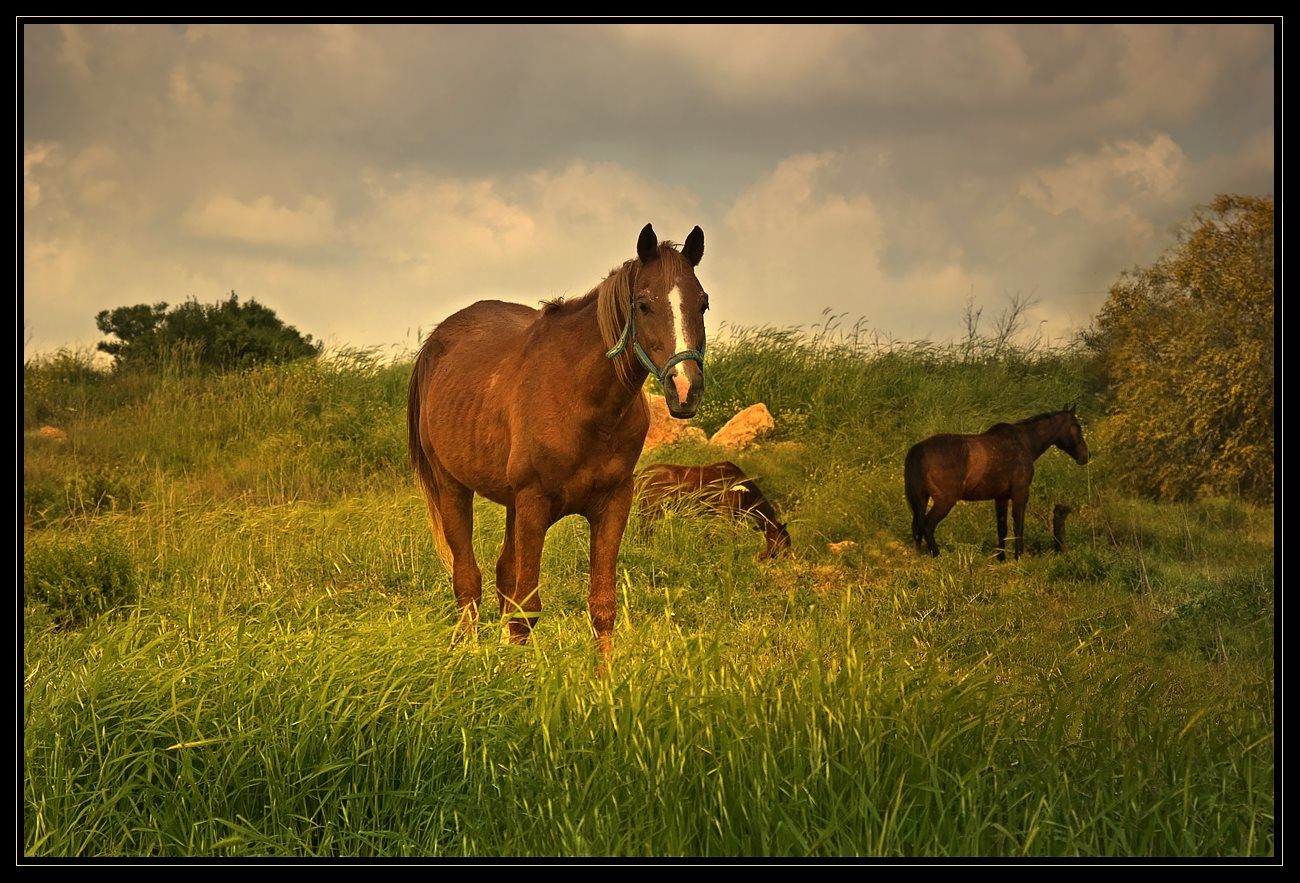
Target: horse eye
(644, 307)
(705, 307)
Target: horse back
(987, 466)
(661, 479)
(723, 486)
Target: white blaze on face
(679, 328)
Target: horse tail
(917, 495)
(424, 474)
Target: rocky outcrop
(745, 428)
(665, 429)
(741, 431)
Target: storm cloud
(366, 180)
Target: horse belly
(990, 470)
(985, 488)
(468, 430)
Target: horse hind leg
(937, 513)
(917, 500)
(456, 506)
(506, 564)
(522, 604)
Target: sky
(366, 181)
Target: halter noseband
(629, 334)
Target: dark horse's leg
(1001, 505)
(607, 524)
(1018, 502)
(506, 563)
(918, 496)
(918, 522)
(937, 513)
(456, 504)
(523, 605)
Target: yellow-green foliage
(1187, 347)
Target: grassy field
(237, 637)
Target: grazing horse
(995, 465)
(543, 412)
(722, 487)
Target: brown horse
(542, 411)
(722, 487)
(995, 465)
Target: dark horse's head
(1069, 436)
(668, 305)
(777, 540)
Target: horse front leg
(1018, 504)
(1001, 505)
(522, 604)
(607, 525)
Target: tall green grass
(239, 642)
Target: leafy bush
(48, 497)
(218, 336)
(1186, 350)
(75, 580)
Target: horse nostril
(682, 384)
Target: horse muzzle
(683, 388)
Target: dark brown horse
(542, 411)
(995, 465)
(721, 487)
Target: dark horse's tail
(419, 459)
(917, 495)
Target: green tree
(1185, 351)
(220, 336)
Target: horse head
(777, 541)
(1070, 437)
(667, 318)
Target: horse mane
(613, 296)
(1046, 415)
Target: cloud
(364, 178)
(33, 158)
(262, 222)
(1115, 185)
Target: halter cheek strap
(629, 335)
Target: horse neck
(1041, 434)
(595, 371)
(759, 508)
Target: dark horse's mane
(1046, 415)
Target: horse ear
(647, 246)
(693, 250)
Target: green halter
(629, 334)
